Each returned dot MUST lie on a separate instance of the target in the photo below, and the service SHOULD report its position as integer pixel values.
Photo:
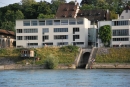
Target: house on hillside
(6, 38)
(71, 10)
(126, 13)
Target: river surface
(65, 78)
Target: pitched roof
(127, 7)
(94, 15)
(2, 31)
(66, 10)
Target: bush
(51, 62)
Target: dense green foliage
(114, 55)
(105, 34)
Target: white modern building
(52, 32)
(120, 32)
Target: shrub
(51, 62)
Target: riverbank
(111, 66)
(19, 66)
(94, 66)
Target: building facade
(52, 32)
(120, 32)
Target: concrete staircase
(92, 55)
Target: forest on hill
(30, 9)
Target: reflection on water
(65, 78)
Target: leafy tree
(105, 34)
(42, 16)
(72, 2)
(28, 2)
(113, 15)
(19, 15)
(8, 25)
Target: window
(79, 21)
(126, 11)
(19, 38)
(19, 30)
(49, 22)
(26, 23)
(62, 43)
(120, 39)
(122, 17)
(60, 36)
(31, 30)
(45, 30)
(56, 22)
(120, 23)
(33, 23)
(32, 44)
(72, 22)
(64, 22)
(75, 30)
(60, 29)
(45, 37)
(41, 22)
(30, 37)
(49, 43)
(78, 43)
(76, 37)
(121, 32)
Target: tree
(105, 34)
(28, 2)
(42, 16)
(19, 15)
(8, 25)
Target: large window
(64, 22)
(56, 22)
(19, 30)
(121, 32)
(45, 37)
(26, 23)
(45, 30)
(120, 39)
(76, 37)
(60, 29)
(49, 22)
(31, 30)
(19, 38)
(60, 36)
(72, 22)
(78, 43)
(34, 23)
(120, 23)
(42, 22)
(30, 37)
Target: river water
(65, 78)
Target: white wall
(83, 33)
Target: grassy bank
(113, 55)
(65, 55)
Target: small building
(27, 53)
(6, 38)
